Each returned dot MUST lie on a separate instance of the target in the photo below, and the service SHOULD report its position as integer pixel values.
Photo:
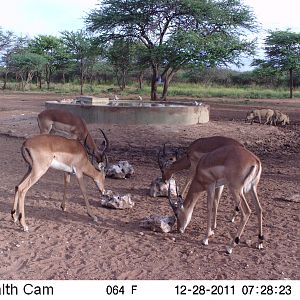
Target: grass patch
(175, 89)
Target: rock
(159, 223)
(121, 170)
(294, 198)
(159, 188)
(112, 200)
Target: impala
(62, 121)
(233, 165)
(42, 152)
(190, 159)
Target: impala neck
(178, 165)
(96, 175)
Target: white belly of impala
(57, 165)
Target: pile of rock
(123, 169)
(160, 188)
(113, 200)
(159, 223)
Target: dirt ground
(68, 245)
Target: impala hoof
(205, 242)
(25, 228)
(228, 250)
(95, 219)
(260, 246)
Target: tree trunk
(167, 81)
(39, 79)
(48, 76)
(81, 77)
(5, 81)
(165, 89)
(63, 77)
(154, 82)
(291, 83)
(140, 79)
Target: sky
(50, 17)
(47, 17)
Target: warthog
(280, 118)
(259, 114)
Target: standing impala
(233, 165)
(190, 159)
(62, 121)
(42, 152)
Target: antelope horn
(164, 149)
(159, 161)
(106, 143)
(85, 145)
(176, 154)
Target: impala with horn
(190, 159)
(234, 166)
(66, 123)
(46, 151)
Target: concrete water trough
(103, 110)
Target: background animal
(280, 118)
(69, 125)
(259, 114)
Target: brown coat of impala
(64, 122)
(190, 159)
(42, 152)
(234, 166)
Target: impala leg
(15, 205)
(83, 191)
(236, 212)
(258, 210)
(218, 193)
(245, 211)
(67, 178)
(17, 196)
(210, 203)
(22, 189)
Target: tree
(25, 65)
(6, 38)
(282, 49)
(175, 33)
(10, 45)
(82, 48)
(50, 48)
(120, 55)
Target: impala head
(99, 180)
(250, 116)
(183, 219)
(164, 162)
